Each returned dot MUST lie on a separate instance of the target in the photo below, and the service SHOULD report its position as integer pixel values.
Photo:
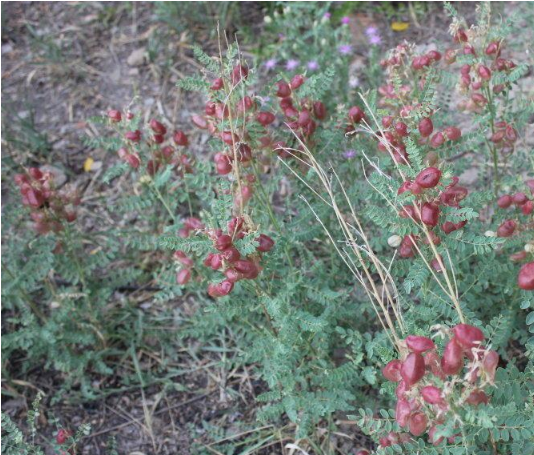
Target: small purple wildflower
(345, 49)
(292, 64)
(327, 15)
(349, 154)
(375, 39)
(371, 31)
(345, 20)
(312, 65)
(270, 64)
(354, 82)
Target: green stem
(162, 200)
(269, 207)
(189, 204)
(74, 257)
(493, 149)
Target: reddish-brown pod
(183, 276)
(518, 257)
(283, 89)
(430, 214)
(402, 411)
(222, 163)
(228, 137)
(436, 265)
(180, 138)
(434, 55)
(490, 363)
(217, 84)
(304, 118)
(429, 177)
(425, 127)
(222, 242)
(319, 110)
(115, 115)
(437, 140)
(419, 344)
(63, 435)
(231, 254)
(519, 198)
(406, 247)
(525, 279)
(507, 228)
(199, 121)
(477, 397)
(133, 160)
(452, 360)
(468, 336)
(239, 72)
(265, 118)
(417, 423)
(297, 81)
(413, 368)
(392, 371)
(453, 133)
(356, 115)
(232, 275)
(401, 389)
(401, 129)
(504, 201)
(265, 243)
(157, 127)
(510, 133)
(492, 48)
(134, 136)
(431, 394)
(484, 72)
(527, 208)
(225, 287)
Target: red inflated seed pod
(413, 368)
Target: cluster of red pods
(48, 206)
(236, 149)
(301, 114)
(476, 78)
(511, 227)
(161, 155)
(396, 125)
(504, 137)
(427, 383)
(227, 259)
(427, 208)
(62, 438)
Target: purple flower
(312, 65)
(375, 39)
(292, 64)
(345, 20)
(354, 82)
(327, 15)
(345, 49)
(270, 64)
(371, 31)
(349, 154)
